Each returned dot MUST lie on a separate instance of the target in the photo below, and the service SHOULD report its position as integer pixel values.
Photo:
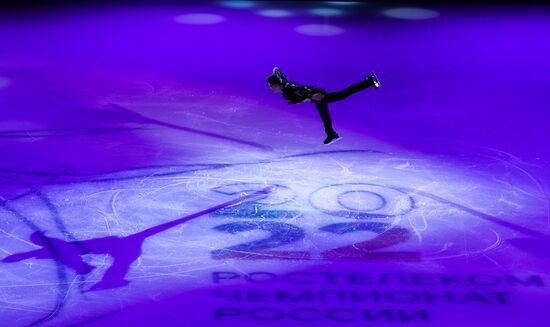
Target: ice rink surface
(148, 177)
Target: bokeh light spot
(276, 13)
(343, 3)
(319, 30)
(411, 13)
(199, 19)
(238, 4)
(326, 12)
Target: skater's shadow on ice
(124, 250)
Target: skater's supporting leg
(322, 107)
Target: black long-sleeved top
(294, 92)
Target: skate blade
(376, 81)
(335, 140)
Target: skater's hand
(317, 97)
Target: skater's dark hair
(272, 79)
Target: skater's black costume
(296, 93)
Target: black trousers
(322, 106)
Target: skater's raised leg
(370, 81)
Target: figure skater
(296, 93)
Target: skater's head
(274, 84)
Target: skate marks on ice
(537, 243)
(354, 212)
(354, 193)
(63, 132)
(125, 116)
(157, 171)
(146, 120)
(60, 270)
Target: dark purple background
(88, 90)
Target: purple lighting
(150, 177)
